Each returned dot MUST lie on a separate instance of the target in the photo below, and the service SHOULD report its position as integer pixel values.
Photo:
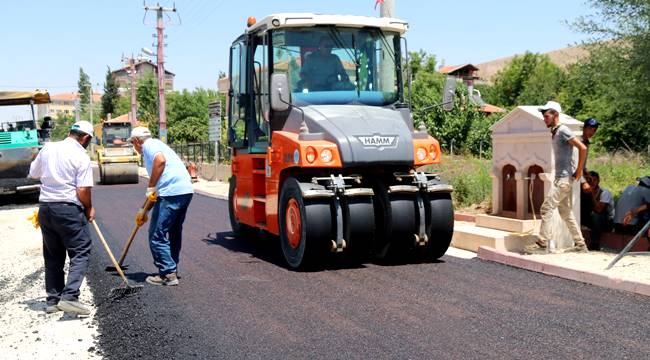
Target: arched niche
(509, 190)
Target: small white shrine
(522, 174)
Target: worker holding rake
(171, 181)
(65, 208)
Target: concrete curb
(208, 194)
(200, 192)
(524, 262)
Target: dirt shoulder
(27, 332)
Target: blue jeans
(166, 231)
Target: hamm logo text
(378, 141)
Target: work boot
(73, 306)
(579, 248)
(166, 280)
(52, 308)
(538, 247)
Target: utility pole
(129, 64)
(77, 109)
(92, 105)
(160, 27)
(92, 146)
(387, 8)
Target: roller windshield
(17, 118)
(116, 135)
(333, 65)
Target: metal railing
(200, 152)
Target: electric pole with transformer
(160, 27)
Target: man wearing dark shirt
(323, 71)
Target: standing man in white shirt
(64, 211)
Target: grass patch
(470, 178)
(618, 170)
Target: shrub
(470, 178)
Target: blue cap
(591, 122)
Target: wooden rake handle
(110, 253)
(128, 244)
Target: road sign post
(214, 129)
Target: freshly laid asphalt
(236, 300)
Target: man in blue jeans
(170, 179)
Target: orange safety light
(310, 154)
(251, 21)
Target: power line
(206, 14)
(194, 10)
(38, 86)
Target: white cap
(139, 132)
(551, 105)
(83, 127)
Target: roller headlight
(432, 152)
(421, 154)
(326, 155)
(310, 155)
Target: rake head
(114, 269)
(122, 292)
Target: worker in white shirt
(65, 208)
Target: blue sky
(45, 42)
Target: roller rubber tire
(440, 224)
(395, 223)
(359, 217)
(305, 226)
(404, 225)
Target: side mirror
(280, 94)
(231, 136)
(449, 93)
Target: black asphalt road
(236, 300)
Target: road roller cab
(117, 159)
(325, 152)
(21, 138)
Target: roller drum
(119, 173)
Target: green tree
(528, 79)
(147, 98)
(188, 115)
(605, 86)
(543, 84)
(61, 127)
(111, 94)
(122, 105)
(612, 84)
(456, 128)
(85, 89)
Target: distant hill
(561, 57)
